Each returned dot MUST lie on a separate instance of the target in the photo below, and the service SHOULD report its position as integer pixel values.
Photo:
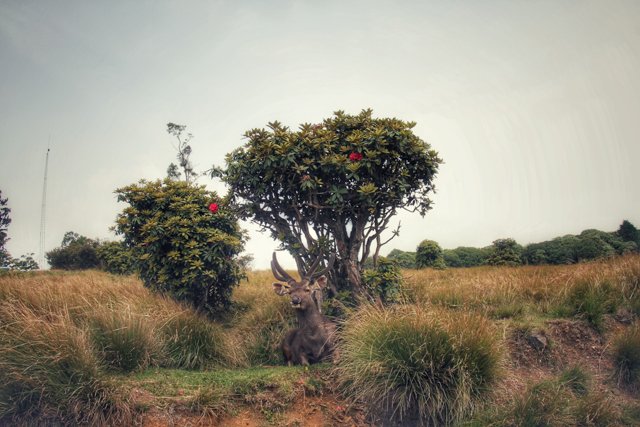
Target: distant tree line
(569, 249)
(78, 252)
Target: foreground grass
(74, 346)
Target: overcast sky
(534, 106)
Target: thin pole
(43, 212)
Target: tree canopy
(332, 186)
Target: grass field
(508, 346)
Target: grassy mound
(417, 365)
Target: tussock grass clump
(626, 356)
(192, 342)
(426, 366)
(591, 300)
(543, 404)
(576, 379)
(125, 341)
(49, 370)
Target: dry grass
(517, 292)
(261, 320)
(61, 334)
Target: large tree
(332, 186)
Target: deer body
(313, 340)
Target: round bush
(406, 363)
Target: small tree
(384, 282)
(628, 232)
(24, 263)
(505, 252)
(332, 186)
(429, 254)
(184, 153)
(5, 220)
(185, 240)
(75, 253)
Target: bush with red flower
(355, 157)
(186, 245)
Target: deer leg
(304, 361)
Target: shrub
(185, 239)
(505, 252)
(76, 253)
(626, 355)
(628, 232)
(385, 282)
(465, 256)
(429, 254)
(116, 258)
(412, 364)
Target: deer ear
(322, 281)
(280, 288)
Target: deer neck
(309, 318)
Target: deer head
(305, 293)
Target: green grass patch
(220, 392)
(176, 382)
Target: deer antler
(279, 272)
(312, 274)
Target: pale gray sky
(534, 106)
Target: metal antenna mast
(43, 212)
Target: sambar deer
(313, 340)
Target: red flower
(213, 207)
(354, 157)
